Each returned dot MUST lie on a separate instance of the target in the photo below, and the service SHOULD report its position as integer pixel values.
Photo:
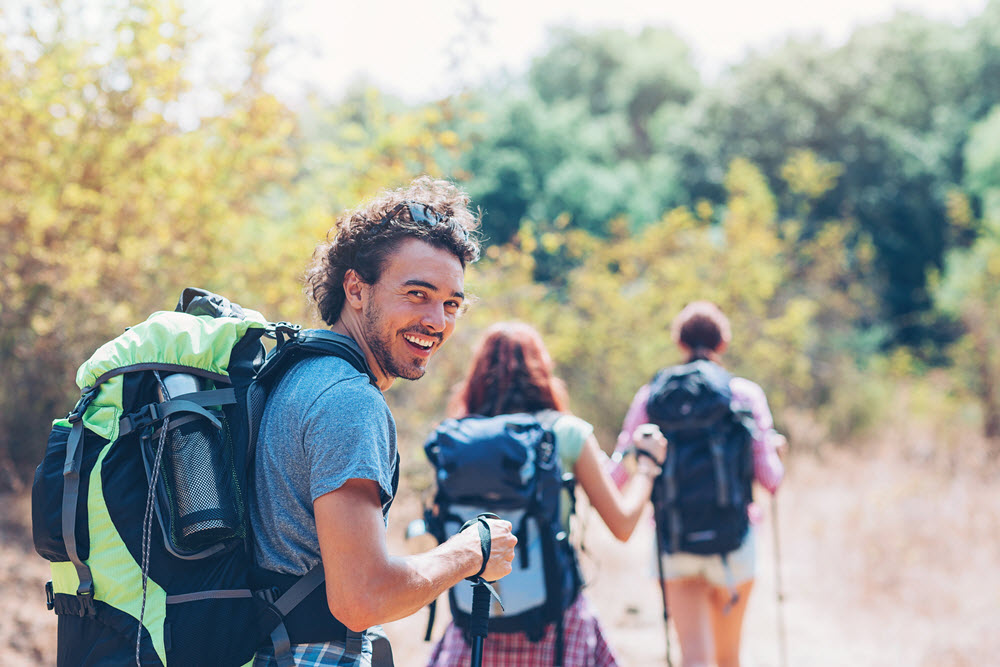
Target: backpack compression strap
(71, 494)
(192, 404)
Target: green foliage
(606, 321)
(106, 202)
(982, 163)
(891, 107)
(581, 140)
(969, 287)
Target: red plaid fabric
(584, 645)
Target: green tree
(578, 137)
(892, 106)
(969, 288)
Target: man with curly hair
(389, 280)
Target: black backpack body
(508, 465)
(700, 500)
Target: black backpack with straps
(141, 503)
(700, 500)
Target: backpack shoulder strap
(301, 344)
(548, 418)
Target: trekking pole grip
(481, 591)
(480, 623)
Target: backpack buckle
(85, 595)
(280, 331)
(50, 596)
(81, 406)
(147, 415)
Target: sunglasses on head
(422, 213)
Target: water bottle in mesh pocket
(199, 503)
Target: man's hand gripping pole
(481, 591)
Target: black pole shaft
(663, 591)
(477, 652)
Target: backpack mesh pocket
(199, 499)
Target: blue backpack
(700, 500)
(508, 465)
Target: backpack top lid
(490, 458)
(167, 341)
(689, 396)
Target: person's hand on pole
(502, 544)
(650, 443)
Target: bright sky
(402, 45)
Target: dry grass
(888, 558)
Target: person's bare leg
(689, 601)
(728, 626)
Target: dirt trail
(886, 561)
(621, 583)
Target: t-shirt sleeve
(571, 432)
(635, 416)
(349, 434)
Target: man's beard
(380, 343)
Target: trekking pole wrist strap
(485, 541)
(640, 452)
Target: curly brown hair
(365, 237)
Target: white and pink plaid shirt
(584, 645)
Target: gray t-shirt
(324, 424)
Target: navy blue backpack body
(508, 465)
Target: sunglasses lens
(425, 214)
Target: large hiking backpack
(141, 501)
(508, 465)
(700, 500)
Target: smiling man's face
(412, 308)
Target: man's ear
(353, 289)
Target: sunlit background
(829, 173)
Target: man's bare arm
(365, 585)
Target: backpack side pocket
(47, 495)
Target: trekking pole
(480, 621)
(481, 591)
(779, 589)
(655, 495)
(663, 589)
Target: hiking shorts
(741, 564)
